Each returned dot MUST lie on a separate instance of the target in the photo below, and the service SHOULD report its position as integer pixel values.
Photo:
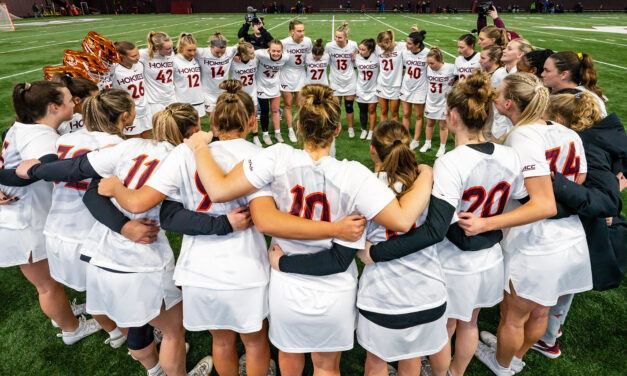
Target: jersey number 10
(308, 203)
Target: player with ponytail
(80, 88)
(187, 81)
(415, 86)
(158, 62)
(389, 81)
(244, 70)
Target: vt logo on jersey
(283, 86)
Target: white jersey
(383, 286)
(465, 66)
(132, 81)
(158, 77)
(500, 123)
(235, 261)
(367, 74)
(458, 182)
(187, 84)
(69, 219)
(23, 142)
(326, 190)
(415, 78)
(439, 86)
(133, 162)
(75, 125)
(342, 76)
(214, 70)
(543, 148)
(293, 74)
(268, 74)
(317, 70)
(391, 65)
(246, 73)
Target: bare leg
(147, 356)
(172, 351)
(287, 107)
(384, 108)
(429, 129)
(107, 324)
(510, 335)
(441, 361)
(291, 364)
(350, 117)
(52, 298)
(443, 131)
(225, 357)
(394, 105)
(326, 363)
(419, 111)
(534, 329)
(375, 366)
(466, 341)
(407, 109)
(275, 105)
(257, 352)
(409, 367)
(372, 115)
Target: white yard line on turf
(575, 37)
(435, 23)
(333, 28)
(282, 23)
(392, 27)
(140, 45)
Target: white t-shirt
(23, 142)
(293, 74)
(235, 261)
(214, 70)
(367, 73)
(317, 70)
(69, 219)
(246, 73)
(187, 83)
(479, 183)
(342, 74)
(384, 287)
(391, 65)
(327, 190)
(439, 87)
(542, 148)
(132, 81)
(75, 125)
(268, 74)
(464, 67)
(158, 77)
(133, 162)
(415, 78)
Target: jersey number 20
(479, 193)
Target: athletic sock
(156, 370)
(115, 333)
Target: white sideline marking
(435, 23)
(60, 22)
(332, 28)
(597, 29)
(575, 39)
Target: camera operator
(489, 9)
(260, 36)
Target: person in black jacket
(260, 36)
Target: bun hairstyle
(318, 115)
(472, 99)
(577, 111)
(234, 108)
(343, 28)
(294, 23)
(155, 41)
(172, 124)
(531, 98)
(217, 39)
(124, 47)
(494, 53)
(499, 35)
(418, 37)
(318, 48)
(185, 39)
(436, 53)
(243, 47)
(102, 112)
(31, 100)
(581, 69)
(469, 39)
(78, 86)
(386, 36)
(391, 142)
(369, 43)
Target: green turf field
(594, 334)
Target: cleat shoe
(559, 334)
(392, 371)
(77, 310)
(256, 141)
(242, 367)
(202, 368)
(85, 328)
(425, 366)
(291, 135)
(413, 145)
(546, 350)
(488, 338)
(279, 137)
(351, 133)
(425, 147)
(363, 134)
(487, 356)
(369, 136)
(266, 139)
(115, 342)
(441, 151)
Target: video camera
(251, 15)
(484, 8)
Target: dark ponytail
(78, 86)
(31, 100)
(418, 37)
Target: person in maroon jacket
(482, 22)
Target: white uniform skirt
(241, 311)
(304, 320)
(414, 97)
(210, 102)
(65, 264)
(345, 91)
(434, 112)
(469, 291)
(19, 245)
(388, 92)
(367, 98)
(397, 344)
(544, 278)
(130, 299)
(292, 80)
